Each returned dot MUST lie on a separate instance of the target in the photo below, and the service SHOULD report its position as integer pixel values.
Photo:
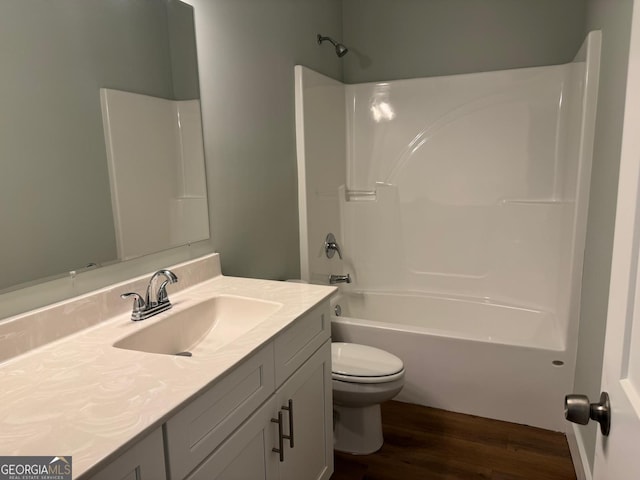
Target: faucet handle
(162, 295)
(138, 302)
(331, 246)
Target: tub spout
(333, 279)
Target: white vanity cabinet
(232, 431)
(197, 430)
(145, 460)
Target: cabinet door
(145, 460)
(308, 391)
(247, 454)
(202, 425)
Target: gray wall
(54, 186)
(183, 51)
(246, 53)
(392, 39)
(614, 19)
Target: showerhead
(341, 50)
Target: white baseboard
(578, 453)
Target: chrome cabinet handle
(289, 408)
(280, 449)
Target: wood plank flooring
(425, 443)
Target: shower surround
(460, 207)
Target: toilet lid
(352, 359)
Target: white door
(618, 455)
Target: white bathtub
(467, 356)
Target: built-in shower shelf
(538, 201)
(360, 195)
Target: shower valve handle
(331, 246)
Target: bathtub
(465, 355)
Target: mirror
(55, 193)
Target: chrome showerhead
(341, 50)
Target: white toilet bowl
(363, 377)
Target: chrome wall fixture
(341, 50)
(331, 246)
(334, 279)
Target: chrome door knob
(577, 409)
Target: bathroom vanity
(251, 402)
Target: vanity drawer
(198, 429)
(297, 343)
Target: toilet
(363, 377)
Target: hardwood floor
(424, 443)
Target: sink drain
(184, 354)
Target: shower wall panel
(320, 144)
(482, 178)
(156, 164)
(467, 186)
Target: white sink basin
(207, 325)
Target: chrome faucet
(161, 294)
(155, 301)
(333, 279)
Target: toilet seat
(356, 379)
(356, 363)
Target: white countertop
(82, 397)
